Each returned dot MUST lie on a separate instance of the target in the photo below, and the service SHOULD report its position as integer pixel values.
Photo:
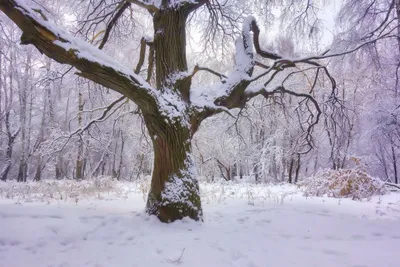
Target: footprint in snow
(377, 234)
(9, 243)
(242, 220)
(286, 236)
(332, 252)
(236, 255)
(40, 244)
(55, 217)
(32, 250)
(256, 210)
(8, 215)
(53, 229)
(331, 237)
(264, 221)
(323, 214)
(358, 237)
(130, 238)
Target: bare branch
(141, 55)
(197, 68)
(148, 7)
(66, 49)
(112, 22)
(256, 40)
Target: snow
(80, 48)
(171, 3)
(180, 188)
(171, 105)
(244, 63)
(245, 225)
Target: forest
(222, 133)
(136, 86)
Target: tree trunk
(174, 192)
(23, 89)
(396, 180)
(291, 171)
(79, 158)
(9, 150)
(296, 178)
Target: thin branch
(150, 8)
(113, 22)
(141, 55)
(197, 68)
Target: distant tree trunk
(79, 159)
(296, 179)
(11, 139)
(114, 161)
(1, 94)
(121, 156)
(256, 174)
(290, 171)
(40, 139)
(224, 170)
(397, 5)
(396, 180)
(8, 102)
(23, 84)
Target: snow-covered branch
(92, 63)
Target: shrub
(350, 183)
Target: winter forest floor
(64, 224)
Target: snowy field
(65, 224)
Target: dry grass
(350, 183)
(105, 188)
(65, 190)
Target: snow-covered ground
(244, 225)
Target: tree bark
(174, 192)
(396, 180)
(79, 158)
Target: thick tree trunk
(174, 192)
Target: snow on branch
(150, 5)
(57, 44)
(227, 92)
(154, 5)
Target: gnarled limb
(91, 62)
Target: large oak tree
(172, 108)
